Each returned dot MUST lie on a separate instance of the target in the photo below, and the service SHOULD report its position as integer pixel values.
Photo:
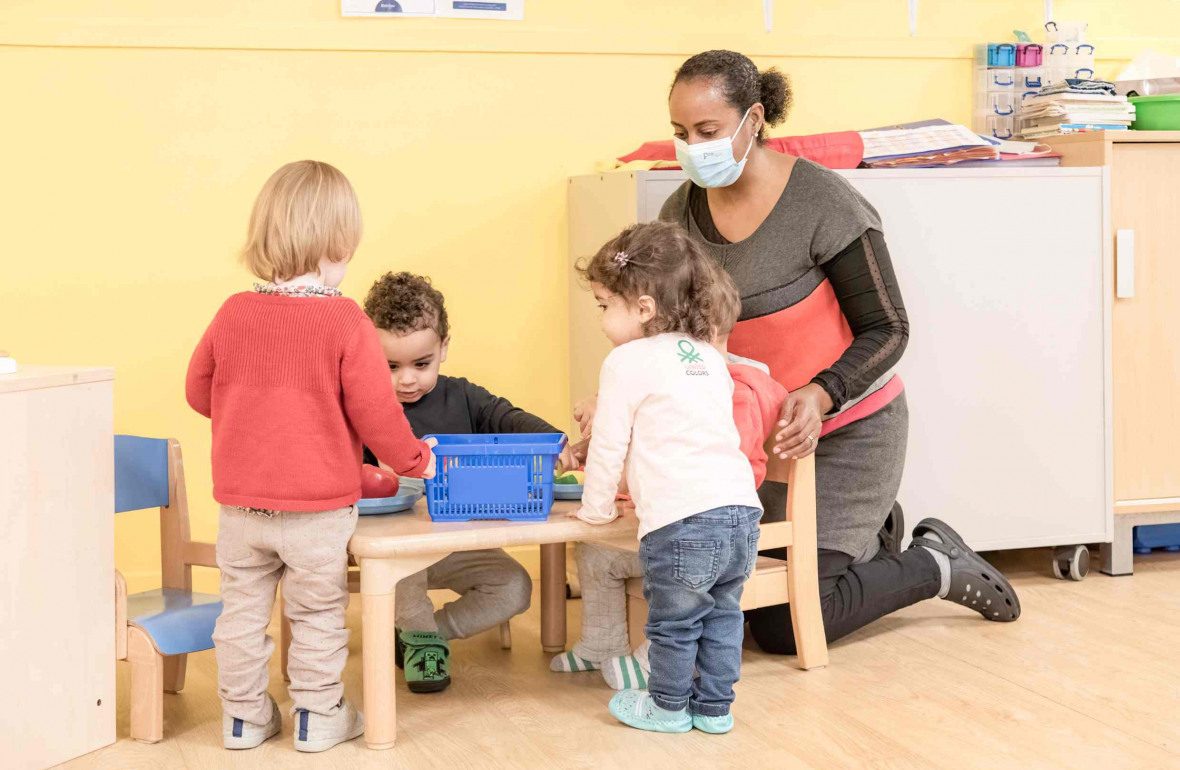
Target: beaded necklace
(297, 291)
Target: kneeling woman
(821, 306)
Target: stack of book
(1019, 154)
(924, 144)
(1072, 106)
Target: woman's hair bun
(775, 94)
(741, 83)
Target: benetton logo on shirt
(693, 363)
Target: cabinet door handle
(1124, 256)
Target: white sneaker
(240, 734)
(316, 732)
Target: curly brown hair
(660, 260)
(726, 300)
(404, 303)
(742, 84)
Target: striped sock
(567, 662)
(625, 672)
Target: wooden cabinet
(1145, 339)
(57, 606)
(1006, 372)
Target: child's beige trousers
(603, 573)
(308, 552)
(492, 588)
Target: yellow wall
(136, 134)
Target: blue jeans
(693, 573)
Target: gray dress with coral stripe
(820, 303)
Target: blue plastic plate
(567, 491)
(410, 491)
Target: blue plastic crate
(493, 476)
(1148, 536)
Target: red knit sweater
(757, 402)
(294, 385)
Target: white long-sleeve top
(665, 411)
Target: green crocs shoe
(426, 658)
(713, 725)
(635, 708)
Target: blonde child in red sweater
(294, 380)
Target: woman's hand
(801, 421)
(584, 414)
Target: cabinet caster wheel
(1072, 562)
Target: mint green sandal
(635, 708)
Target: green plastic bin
(1156, 113)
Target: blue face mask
(711, 164)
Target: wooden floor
(1089, 677)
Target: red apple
(378, 482)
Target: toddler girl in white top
(665, 411)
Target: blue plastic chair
(155, 630)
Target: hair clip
(621, 258)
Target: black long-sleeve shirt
(865, 284)
(456, 405)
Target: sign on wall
(461, 9)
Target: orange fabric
(757, 403)
(843, 149)
(797, 342)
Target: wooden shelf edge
(1160, 507)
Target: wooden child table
(389, 548)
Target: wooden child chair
(774, 581)
(155, 630)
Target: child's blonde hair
(305, 212)
(727, 303)
(660, 260)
